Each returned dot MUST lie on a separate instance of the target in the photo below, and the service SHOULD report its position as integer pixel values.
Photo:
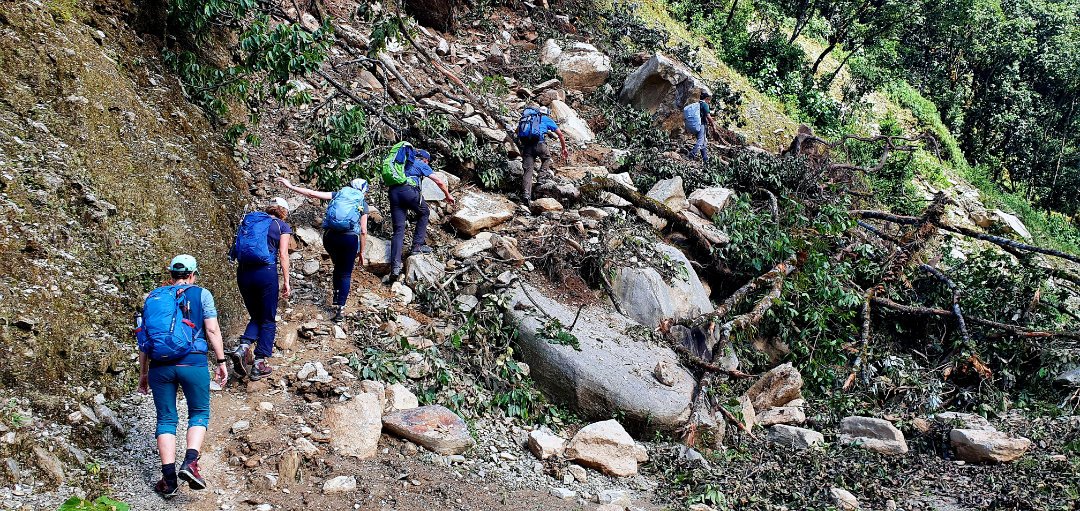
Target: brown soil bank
(106, 171)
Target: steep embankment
(105, 172)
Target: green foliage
(11, 415)
(63, 10)
(269, 57)
(555, 333)
(379, 365)
(101, 504)
(341, 144)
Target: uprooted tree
(841, 287)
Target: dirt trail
(242, 466)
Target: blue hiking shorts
(164, 382)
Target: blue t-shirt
(547, 124)
(416, 171)
(363, 211)
(201, 308)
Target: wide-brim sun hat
(184, 263)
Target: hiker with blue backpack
(177, 327)
(403, 172)
(344, 233)
(697, 119)
(532, 128)
(262, 242)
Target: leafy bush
(101, 504)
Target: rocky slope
(107, 171)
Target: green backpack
(393, 166)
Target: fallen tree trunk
(1012, 329)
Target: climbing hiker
(344, 233)
(533, 126)
(262, 241)
(178, 320)
(697, 119)
(404, 170)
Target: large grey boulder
(424, 269)
(711, 201)
(796, 438)
(670, 193)
(1011, 224)
(1070, 377)
(607, 447)
(874, 434)
(478, 211)
(583, 67)
(645, 296)
(987, 446)
(777, 387)
(661, 86)
(613, 372)
(377, 255)
(575, 129)
(355, 425)
(434, 427)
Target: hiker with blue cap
(344, 233)
(176, 329)
(403, 172)
(262, 243)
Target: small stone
(617, 497)
(664, 373)
(339, 484)
(791, 436)
(339, 333)
(266, 406)
(49, 464)
(982, 446)
(843, 499)
(564, 493)
(874, 434)
(399, 397)
(434, 427)
(310, 267)
(579, 473)
(240, 426)
(607, 447)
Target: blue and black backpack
(343, 213)
(529, 126)
(166, 332)
(252, 247)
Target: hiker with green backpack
(344, 233)
(403, 172)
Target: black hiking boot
(242, 358)
(167, 489)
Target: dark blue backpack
(529, 128)
(252, 247)
(343, 213)
(166, 332)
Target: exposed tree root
(1012, 329)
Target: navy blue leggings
(402, 199)
(259, 287)
(342, 248)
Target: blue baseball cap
(183, 263)
(423, 154)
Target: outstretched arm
(308, 192)
(442, 186)
(562, 140)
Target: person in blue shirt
(406, 197)
(343, 246)
(189, 373)
(258, 284)
(536, 147)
